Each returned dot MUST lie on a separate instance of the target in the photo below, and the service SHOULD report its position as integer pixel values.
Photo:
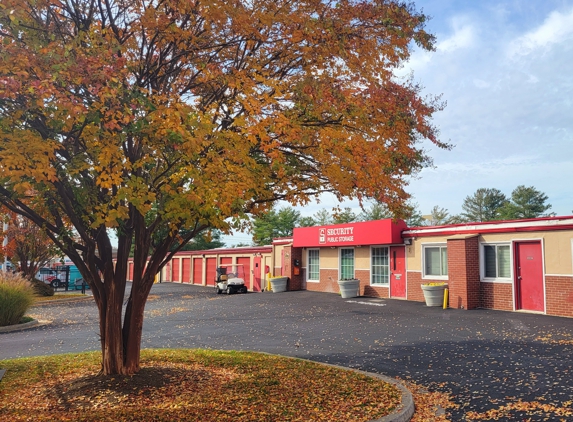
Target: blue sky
(505, 69)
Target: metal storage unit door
(197, 270)
(186, 269)
(175, 270)
(211, 271)
(247, 269)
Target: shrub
(41, 288)
(16, 296)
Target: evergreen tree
(414, 216)
(484, 205)
(323, 217)
(206, 240)
(344, 216)
(377, 211)
(526, 202)
(274, 224)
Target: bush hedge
(41, 288)
(16, 296)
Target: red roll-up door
(197, 270)
(211, 271)
(175, 276)
(186, 270)
(130, 271)
(246, 262)
(226, 260)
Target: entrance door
(529, 276)
(398, 272)
(257, 274)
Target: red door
(197, 270)
(398, 271)
(226, 260)
(529, 276)
(175, 269)
(185, 270)
(246, 262)
(211, 271)
(257, 274)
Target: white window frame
(387, 283)
(496, 279)
(311, 280)
(433, 245)
(340, 262)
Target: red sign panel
(377, 232)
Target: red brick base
(559, 292)
(496, 296)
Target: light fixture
(408, 241)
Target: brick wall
(295, 281)
(375, 291)
(559, 293)
(328, 282)
(364, 277)
(414, 281)
(496, 296)
(463, 273)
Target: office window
(380, 265)
(313, 264)
(435, 261)
(497, 261)
(346, 264)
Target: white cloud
(463, 37)
(556, 29)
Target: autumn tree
(484, 205)
(28, 245)
(526, 202)
(149, 119)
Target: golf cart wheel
(229, 290)
(55, 283)
(217, 289)
(243, 289)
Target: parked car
(50, 276)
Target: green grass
(191, 385)
(57, 297)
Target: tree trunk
(121, 340)
(112, 343)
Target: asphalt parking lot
(485, 359)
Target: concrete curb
(18, 327)
(407, 406)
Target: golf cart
(230, 279)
